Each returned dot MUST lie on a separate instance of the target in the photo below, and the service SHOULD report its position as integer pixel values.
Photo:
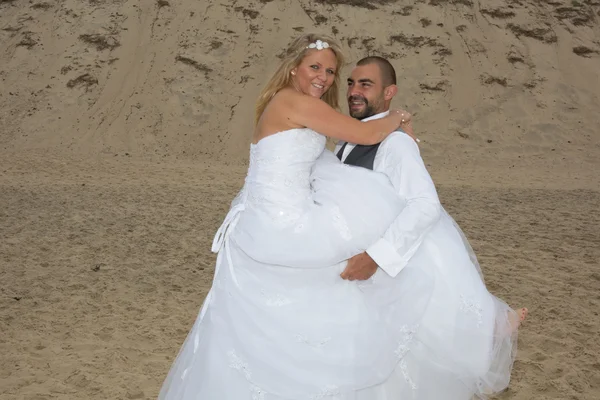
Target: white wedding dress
(280, 324)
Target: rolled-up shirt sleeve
(403, 164)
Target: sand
(124, 132)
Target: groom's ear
(389, 92)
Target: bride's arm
(319, 116)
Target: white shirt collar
(376, 116)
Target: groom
(371, 88)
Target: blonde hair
(292, 57)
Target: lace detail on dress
(236, 362)
(313, 343)
(257, 393)
(340, 224)
(327, 391)
(266, 160)
(276, 300)
(284, 218)
(406, 336)
(470, 306)
(278, 179)
(404, 369)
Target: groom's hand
(360, 268)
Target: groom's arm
(402, 163)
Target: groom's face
(365, 93)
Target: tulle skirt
(280, 324)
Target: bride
(279, 323)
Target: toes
(523, 313)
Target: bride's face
(316, 72)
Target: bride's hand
(403, 116)
(405, 122)
(408, 129)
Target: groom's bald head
(371, 87)
(388, 73)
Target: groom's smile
(357, 104)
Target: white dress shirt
(399, 158)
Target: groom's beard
(366, 112)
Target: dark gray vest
(361, 155)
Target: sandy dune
(124, 131)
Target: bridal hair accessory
(319, 45)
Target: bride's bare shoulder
(278, 115)
(287, 97)
(291, 103)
